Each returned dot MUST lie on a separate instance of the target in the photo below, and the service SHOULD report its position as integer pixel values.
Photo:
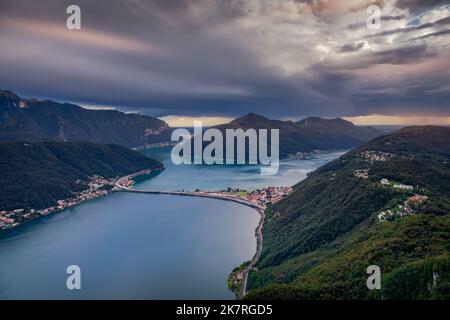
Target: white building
(403, 186)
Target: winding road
(212, 195)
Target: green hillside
(33, 120)
(36, 175)
(319, 240)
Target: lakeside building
(261, 197)
(96, 187)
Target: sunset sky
(221, 59)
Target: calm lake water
(130, 246)
(191, 177)
(139, 246)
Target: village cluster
(235, 280)
(157, 145)
(373, 156)
(154, 131)
(402, 210)
(96, 187)
(261, 197)
(302, 155)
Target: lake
(141, 246)
(218, 177)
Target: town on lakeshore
(305, 154)
(97, 186)
(260, 197)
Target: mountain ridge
(37, 174)
(301, 136)
(320, 239)
(31, 119)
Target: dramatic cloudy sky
(284, 59)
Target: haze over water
(219, 177)
(140, 246)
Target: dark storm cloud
(436, 24)
(359, 25)
(394, 18)
(433, 34)
(351, 47)
(404, 55)
(399, 56)
(205, 57)
(416, 5)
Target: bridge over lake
(211, 195)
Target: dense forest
(320, 239)
(22, 119)
(37, 174)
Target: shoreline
(217, 196)
(55, 209)
(204, 194)
(37, 218)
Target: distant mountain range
(33, 120)
(36, 175)
(308, 134)
(320, 239)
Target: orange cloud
(339, 7)
(377, 119)
(85, 36)
(187, 121)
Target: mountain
(36, 175)
(339, 130)
(308, 134)
(320, 239)
(22, 119)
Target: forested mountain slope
(36, 175)
(319, 240)
(22, 119)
